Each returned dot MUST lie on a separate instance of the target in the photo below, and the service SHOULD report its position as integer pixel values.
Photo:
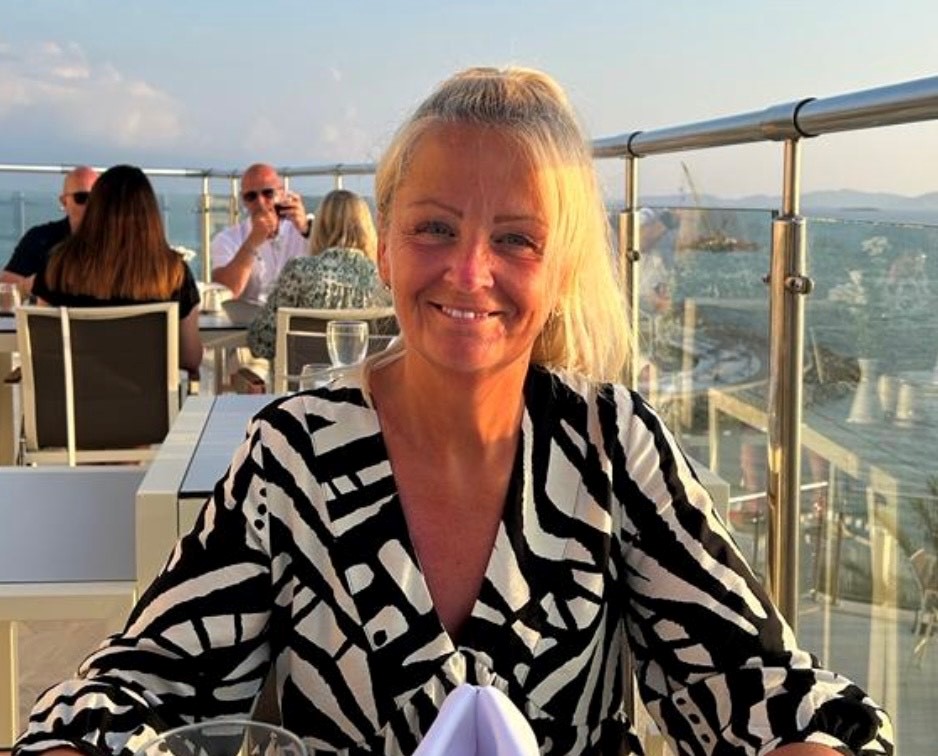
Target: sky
(207, 83)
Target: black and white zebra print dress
(608, 543)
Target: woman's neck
(449, 410)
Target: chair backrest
(925, 568)
(99, 383)
(301, 338)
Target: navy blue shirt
(32, 252)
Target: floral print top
(336, 278)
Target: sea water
(19, 211)
(875, 273)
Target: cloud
(59, 90)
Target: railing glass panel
(869, 502)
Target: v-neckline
(510, 507)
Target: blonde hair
(587, 332)
(343, 219)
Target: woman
(476, 504)
(339, 273)
(119, 256)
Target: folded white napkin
(478, 721)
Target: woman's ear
(384, 264)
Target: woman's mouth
(458, 313)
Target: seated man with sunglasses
(248, 257)
(33, 249)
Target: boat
(715, 236)
(718, 242)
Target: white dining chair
(300, 338)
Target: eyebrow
(459, 214)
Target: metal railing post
(788, 284)
(233, 202)
(21, 214)
(205, 208)
(629, 255)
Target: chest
(452, 521)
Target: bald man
(33, 249)
(248, 257)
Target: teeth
(463, 314)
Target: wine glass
(313, 375)
(9, 297)
(282, 202)
(347, 341)
(225, 737)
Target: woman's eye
(435, 228)
(518, 243)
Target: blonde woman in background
(340, 271)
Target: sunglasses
(267, 193)
(80, 198)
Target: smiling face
(463, 250)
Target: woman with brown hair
(119, 256)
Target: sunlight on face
(463, 250)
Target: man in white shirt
(248, 257)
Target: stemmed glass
(9, 297)
(225, 737)
(313, 375)
(347, 341)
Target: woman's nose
(471, 265)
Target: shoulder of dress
(574, 388)
(295, 264)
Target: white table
(66, 553)
(191, 460)
(220, 333)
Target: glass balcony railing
(20, 211)
(869, 476)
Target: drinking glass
(9, 297)
(347, 341)
(282, 202)
(313, 375)
(225, 737)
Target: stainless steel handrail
(328, 169)
(907, 102)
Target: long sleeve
(196, 644)
(716, 663)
